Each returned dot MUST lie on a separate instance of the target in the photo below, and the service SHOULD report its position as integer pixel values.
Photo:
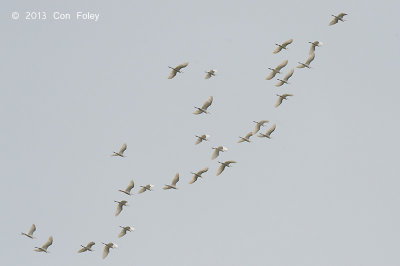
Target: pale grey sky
(322, 191)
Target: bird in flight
(201, 138)
(337, 18)
(125, 229)
(210, 73)
(121, 204)
(217, 150)
(246, 138)
(276, 70)
(282, 46)
(204, 107)
(128, 189)
(268, 133)
(281, 98)
(31, 231)
(146, 187)
(45, 246)
(107, 248)
(88, 247)
(308, 62)
(177, 69)
(121, 151)
(197, 175)
(173, 183)
(285, 78)
(223, 165)
(258, 125)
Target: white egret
(197, 175)
(246, 138)
(308, 62)
(128, 189)
(146, 187)
(258, 125)
(204, 107)
(125, 229)
(281, 98)
(31, 231)
(121, 151)
(282, 46)
(45, 246)
(217, 150)
(210, 73)
(177, 69)
(107, 248)
(268, 133)
(173, 183)
(88, 247)
(201, 138)
(337, 18)
(121, 204)
(276, 70)
(285, 78)
(223, 165)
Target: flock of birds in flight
(199, 139)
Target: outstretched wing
(334, 21)
(271, 75)
(90, 244)
(130, 186)
(270, 130)
(172, 74)
(82, 250)
(220, 169)
(33, 229)
(277, 50)
(106, 251)
(286, 95)
(207, 103)
(142, 190)
(179, 67)
(48, 243)
(279, 101)
(119, 209)
(175, 180)
(215, 153)
(289, 74)
(123, 148)
(248, 135)
(280, 83)
(310, 58)
(341, 15)
(281, 65)
(229, 162)
(287, 43)
(122, 233)
(194, 179)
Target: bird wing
(301, 65)
(208, 75)
(256, 128)
(172, 74)
(281, 65)
(277, 50)
(310, 58)
(106, 251)
(248, 135)
(82, 250)
(175, 180)
(341, 15)
(48, 243)
(122, 233)
(123, 148)
(287, 43)
(197, 112)
(229, 162)
(179, 67)
(215, 154)
(280, 83)
(333, 21)
(194, 179)
(202, 171)
(130, 186)
(271, 75)
(240, 140)
(142, 190)
(119, 209)
(207, 103)
(198, 140)
(286, 95)
(220, 169)
(33, 229)
(289, 74)
(279, 101)
(270, 130)
(90, 244)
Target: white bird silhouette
(281, 98)
(121, 151)
(268, 133)
(173, 183)
(201, 138)
(276, 70)
(246, 138)
(107, 248)
(223, 165)
(308, 62)
(282, 46)
(146, 187)
(197, 175)
(258, 125)
(285, 78)
(125, 229)
(210, 73)
(128, 189)
(203, 108)
(121, 204)
(337, 18)
(177, 69)
(31, 231)
(45, 246)
(87, 248)
(313, 45)
(217, 150)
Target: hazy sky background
(322, 191)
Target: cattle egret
(276, 70)
(146, 187)
(87, 248)
(285, 78)
(281, 98)
(107, 248)
(223, 165)
(282, 46)
(268, 133)
(31, 231)
(128, 189)
(217, 150)
(125, 229)
(177, 69)
(173, 183)
(313, 45)
(337, 18)
(246, 138)
(259, 125)
(121, 151)
(201, 138)
(197, 175)
(308, 62)
(210, 73)
(203, 108)
(45, 246)
(121, 204)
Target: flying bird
(210, 73)
(177, 69)
(313, 45)
(121, 151)
(285, 78)
(268, 133)
(125, 229)
(31, 231)
(337, 18)
(246, 138)
(282, 46)
(173, 183)
(87, 248)
(258, 125)
(201, 138)
(276, 70)
(281, 98)
(146, 187)
(121, 204)
(128, 189)
(197, 175)
(217, 150)
(308, 62)
(203, 108)
(45, 246)
(223, 165)
(107, 248)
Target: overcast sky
(322, 191)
